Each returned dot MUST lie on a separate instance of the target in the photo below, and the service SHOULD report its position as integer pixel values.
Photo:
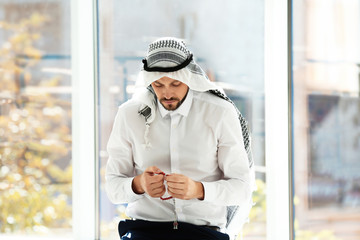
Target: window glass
(227, 39)
(326, 119)
(35, 119)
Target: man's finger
(158, 190)
(157, 194)
(176, 195)
(175, 185)
(177, 178)
(153, 170)
(151, 179)
(157, 185)
(175, 191)
(158, 178)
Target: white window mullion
(84, 114)
(277, 138)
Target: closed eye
(176, 83)
(157, 84)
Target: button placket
(174, 155)
(174, 150)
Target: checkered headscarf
(171, 58)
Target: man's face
(170, 92)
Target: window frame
(277, 77)
(84, 122)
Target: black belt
(215, 228)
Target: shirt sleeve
(235, 187)
(120, 167)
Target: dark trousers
(147, 230)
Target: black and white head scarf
(169, 57)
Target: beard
(175, 103)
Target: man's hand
(150, 181)
(183, 187)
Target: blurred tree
(35, 137)
(257, 216)
(257, 220)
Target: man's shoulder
(130, 106)
(210, 99)
(128, 113)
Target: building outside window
(326, 119)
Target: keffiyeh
(171, 58)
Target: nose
(167, 93)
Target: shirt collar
(183, 109)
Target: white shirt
(202, 139)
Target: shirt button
(178, 209)
(174, 126)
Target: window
(326, 119)
(48, 101)
(228, 41)
(35, 119)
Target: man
(176, 152)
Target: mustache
(169, 99)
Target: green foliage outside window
(256, 228)
(35, 137)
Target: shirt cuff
(130, 193)
(209, 191)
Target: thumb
(154, 170)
